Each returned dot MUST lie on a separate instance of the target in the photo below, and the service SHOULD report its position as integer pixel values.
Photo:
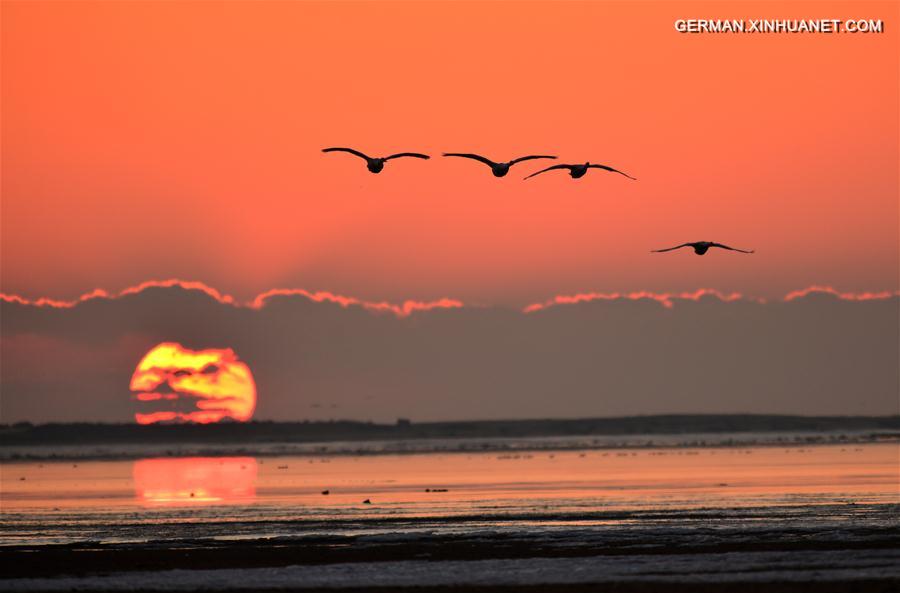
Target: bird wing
(350, 150)
(605, 168)
(550, 169)
(417, 155)
(671, 248)
(729, 248)
(530, 157)
(469, 155)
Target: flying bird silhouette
(577, 171)
(375, 164)
(498, 169)
(700, 247)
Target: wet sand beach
(700, 519)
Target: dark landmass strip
(346, 430)
(871, 585)
(93, 558)
(861, 567)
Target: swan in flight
(700, 247)
(375, 164)
(577, 171)
(498, 169)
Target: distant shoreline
(269, 439)
(351, 430)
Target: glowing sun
(185, 385)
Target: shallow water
(563, 494)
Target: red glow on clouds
(846, 296)
(99, 293)
(402, 310)
(214, 382)
(666, 299)
(409, 307)
(45, 302)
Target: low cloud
(817, 351)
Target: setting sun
(193, 386)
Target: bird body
(578, 171)
(376, 164)
(701, 247)
(498, 169)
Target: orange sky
(147, 140)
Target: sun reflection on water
(195, 480)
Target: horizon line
(412, 422)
